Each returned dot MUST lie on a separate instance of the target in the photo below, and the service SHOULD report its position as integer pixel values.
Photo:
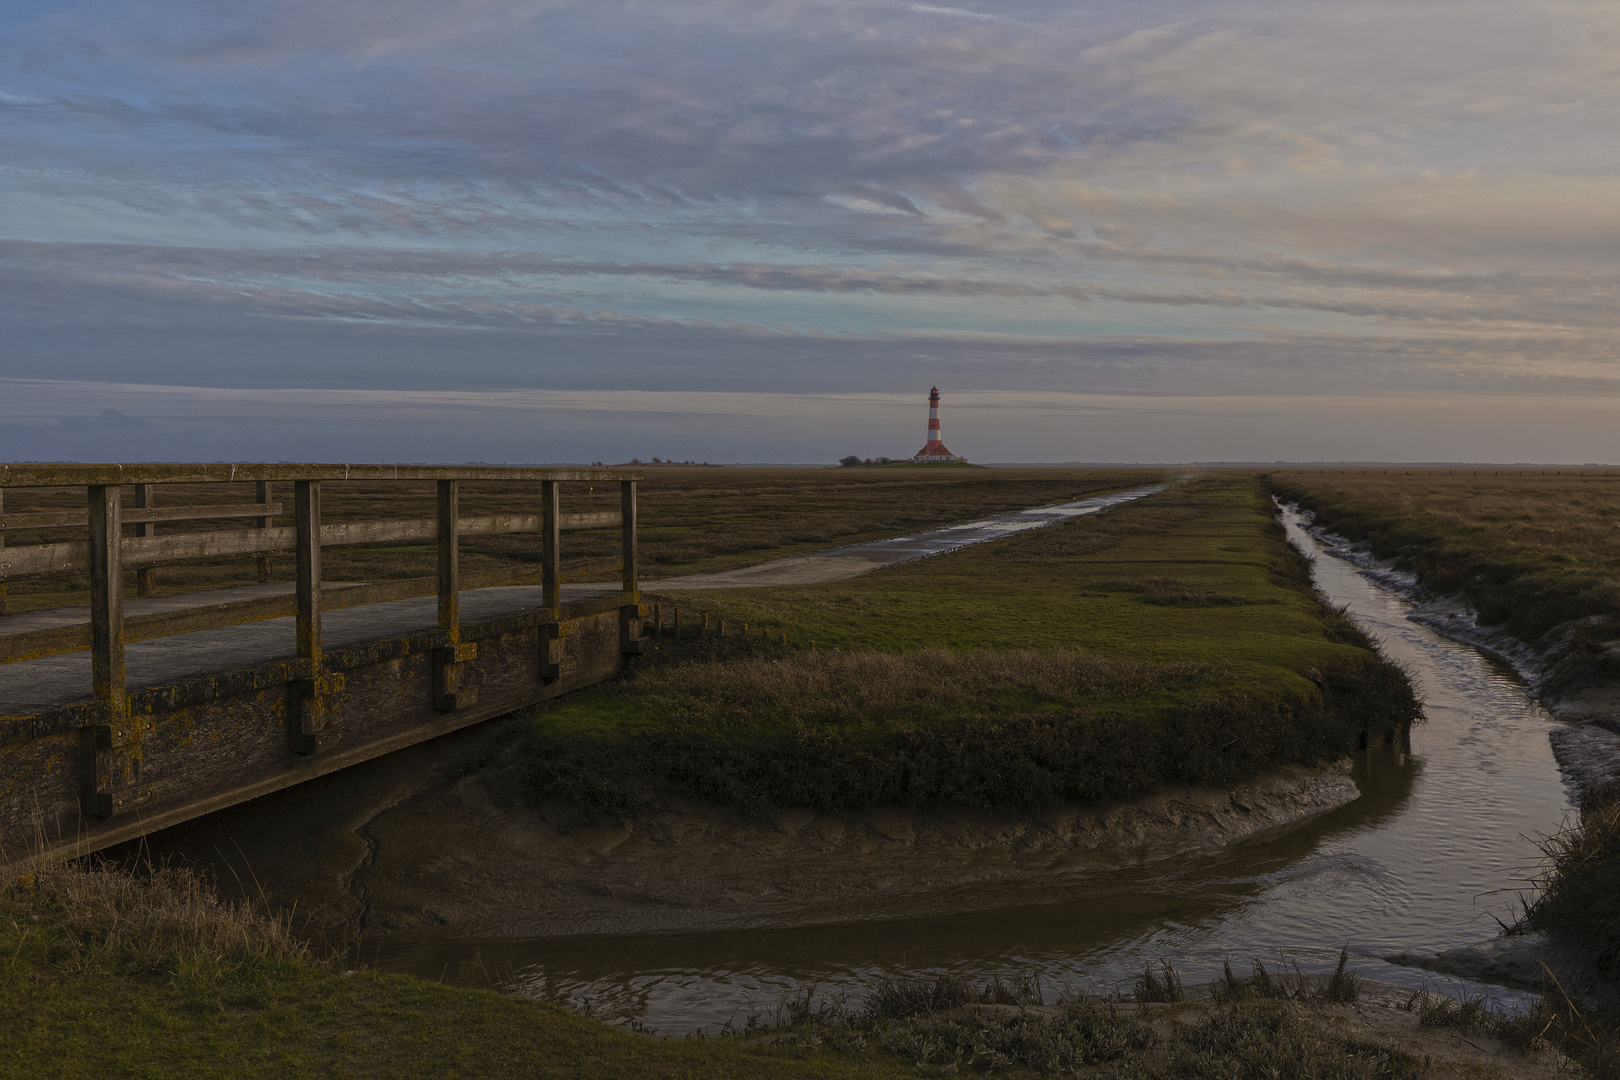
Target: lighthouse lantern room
(934, 452)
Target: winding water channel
(1440, 840)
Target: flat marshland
(690, 519)
(1173, 640)
(1529, 548)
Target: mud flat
(416, 842)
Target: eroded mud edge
(452, 860)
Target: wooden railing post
(263, 493)
(99, 773)
(307, 712)
(630, 613)
(449, 564)
(307, 523)
(550, 583)
(449, 659)
(144, 500)
(627, 535)
(107, 597)
(2, 548)
(550, 568)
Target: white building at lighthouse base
(935, 454)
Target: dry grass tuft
(166, 920)
(950, 1026)
(1578, 890)
(1161, 984)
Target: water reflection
(1438, 843)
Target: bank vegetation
(1175, 640)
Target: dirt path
(837, 564)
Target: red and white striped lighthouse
(934, 450)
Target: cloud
(1217, 196)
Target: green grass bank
(1174, 640)
(112, 975)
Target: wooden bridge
(146, 711)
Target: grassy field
(691, 519)
(1529, 548)
(116, 976)
(1175, 639)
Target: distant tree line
(852, 461)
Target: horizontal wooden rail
(82, 475)
(142, 551)
(334, 597)
(61, 519)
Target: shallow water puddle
(1439, 842)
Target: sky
(455, 230)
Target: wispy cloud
(1219, 195)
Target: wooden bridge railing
(107, 552)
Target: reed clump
(1578, 890)
(1341, 986)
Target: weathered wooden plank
(265, 522)
(68, 639)
(307, 702)
(106, 598)
(307, 507)
(106, 649)
(145, 500)
(137, 514)
(627, 534)
(139, 551)
(46, 475)
(449, 577)
(550, 546)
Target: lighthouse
(933, 451)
